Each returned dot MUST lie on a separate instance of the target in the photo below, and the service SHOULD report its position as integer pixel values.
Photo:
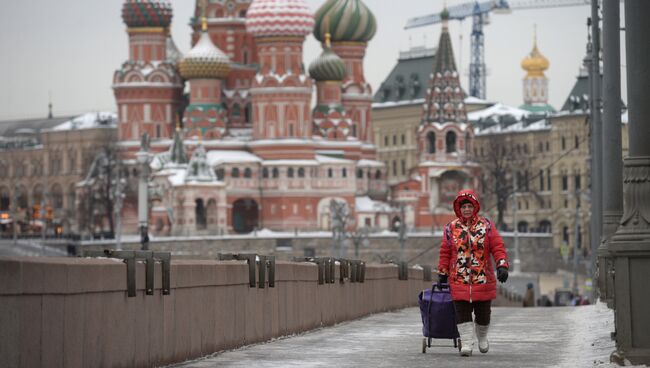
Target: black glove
(442, 279)
(502, 274)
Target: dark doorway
(245, 215)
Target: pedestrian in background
(467, 243)
(529, 298)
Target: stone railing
(73, 312)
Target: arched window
(431, 142)
(330, 173)
(344, 172)
(220, 173)
(301, 172)
(248, 173)
(359, 174)
(290, 172)
(234, 172)
(276, 173)
(378, 174)
(200, 214)
(265, 172)
(450, 140)
(522, 227)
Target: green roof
(538, 108)
(409, 79)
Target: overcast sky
(70, 49)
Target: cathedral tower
(351, 25)
(330, 118)
(148, 89)
(535, 82)
(281, 92)
(205, 67)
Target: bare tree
(97, 197)
(500, 161)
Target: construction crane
(479, 12)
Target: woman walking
(467, 243)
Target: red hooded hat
(469, 195)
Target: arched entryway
(245, 215)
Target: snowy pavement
(519, 337)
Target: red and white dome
(273, 18)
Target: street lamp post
(517, 261)
(402, 232)
(118, 196)
(142, 158)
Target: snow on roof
(497, 110)
(289, 163)
(331, 160)
(89, 120)
(519, 127)
(365, 204)
(218, 157)
(475, 100)
(369, 163)
(381, 105)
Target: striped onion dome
(147, 13)
(328, 66)
(345, 20)
(279, 18)
(204, 60)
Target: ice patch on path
(591, 340)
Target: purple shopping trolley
(438, 315)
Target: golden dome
(535, 63)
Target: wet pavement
(519, 337)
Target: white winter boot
(481, 333)
(466, 332)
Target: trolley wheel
(424, 345)
(429, 342)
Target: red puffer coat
(465, 253)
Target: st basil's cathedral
(236, 144)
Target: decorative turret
(148, 22)
(351, 25)
(328, 66)
(177, 150)
(148, 89)
(204, 60)
(330, 118)
(444, 134)
(345, 21)
(279, 18)
(147, 13)
(535, 82)
(205, 66)
(281, 92)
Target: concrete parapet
(73, 312)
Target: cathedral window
(234, 172)
(290, 172)
(220, 173)
(276, 173)
(301, 172)
(344, 172)
(450, 139)
(431, 142)
(265, 172)
(359, 174)
(200, 214)
(330, 173)
(248, 173)
(378, 174)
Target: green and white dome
(328, 66)
(345, 20)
